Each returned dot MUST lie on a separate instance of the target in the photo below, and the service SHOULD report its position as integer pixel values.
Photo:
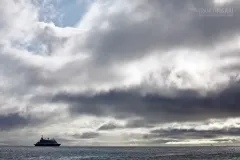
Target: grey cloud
(47, 40)
(226, 140)
(15, 120)
(22, 75)
(12, 121)
(172, 24)
(181, 134)
(109, 126)
(131, 124)
(235, 68)
(186, 105)
(140, 123)
(86, 135)
(77, 70)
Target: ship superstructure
(47, 142)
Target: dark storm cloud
(12, 121)
(171, 24)
(192, 133)
(186, 105)
(15, 120)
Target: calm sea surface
(115, 153)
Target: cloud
(144, 63)
(16, 121)
(185, 105)
(140, 123)
(108, 126)
(185, 134)
(127, 39)
(16, 27)
(86, 135)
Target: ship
(47, 142)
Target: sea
(120, 153)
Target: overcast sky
(120, 72)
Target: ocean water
(120, 153)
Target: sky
(119, 72)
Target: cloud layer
(123, 70)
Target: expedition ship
(47, 142)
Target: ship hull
(47, 145)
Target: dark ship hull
(47, 145)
